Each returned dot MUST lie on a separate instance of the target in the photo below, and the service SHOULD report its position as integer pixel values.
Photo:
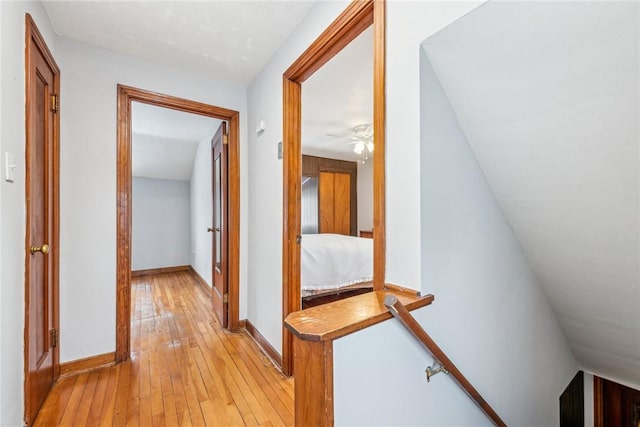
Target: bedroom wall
(12, 208)
(161, 225)
(88, 182)
(202, 212)
(365, 195)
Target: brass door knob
(210, 230)
(44, 249)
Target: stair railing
(446, 365)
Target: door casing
(357, 17)
(125, 96)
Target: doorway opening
(128, 99)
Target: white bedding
(332, 261)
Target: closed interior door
(41, 258)
(220, 221)
(335, 203)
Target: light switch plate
(9, 167)
(280, 150)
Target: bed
(334, 266)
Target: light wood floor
(184, 370)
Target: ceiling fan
(361, 137)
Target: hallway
(184, 370)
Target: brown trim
(401, 289)
(242, 324)
(598, 399)
(90, 363)
(379, 131)
(161, 270)
(313, 399)
(358, 16)
(340, 318)
(126, 95)
(34, 39)
(200, 280)
(262, 342)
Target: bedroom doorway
(127, 96)
(359, 19)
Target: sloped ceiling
(164, 141)
(338, 97)
(548, 96)
(230, 40)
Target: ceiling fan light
(359, 148)
(370, 146)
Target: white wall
(365, 195)
(490, 314)
(12, 209)
(161, 223)
(265, 178)
(88, 182)
(202, 212)
(409, 23)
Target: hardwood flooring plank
(185, 370)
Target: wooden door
(41, 259)
(334, 200)
(219, 170)
(615, 405)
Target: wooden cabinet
(334, 197)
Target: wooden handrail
(402, 314)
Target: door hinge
(54, 337)
(225, 298)
(55, 103)
(225, 139)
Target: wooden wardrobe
(337, 193)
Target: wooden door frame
(126, 95)
(357, 17)
(34, 40)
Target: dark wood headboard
(312, 166)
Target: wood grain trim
(379, 132)
(126, 95)
(87, 364)
(233, 230)
(401, 289)
(34, 40)
(402, 314)
(358, 16)
(160, 270)
(292, 161)
(598, 401)
(340, 318)
(262, 342)
(314, 383)
(200, 281)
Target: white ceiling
(230, 40)
(548, 96)
(338, 97)
(164, 141)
